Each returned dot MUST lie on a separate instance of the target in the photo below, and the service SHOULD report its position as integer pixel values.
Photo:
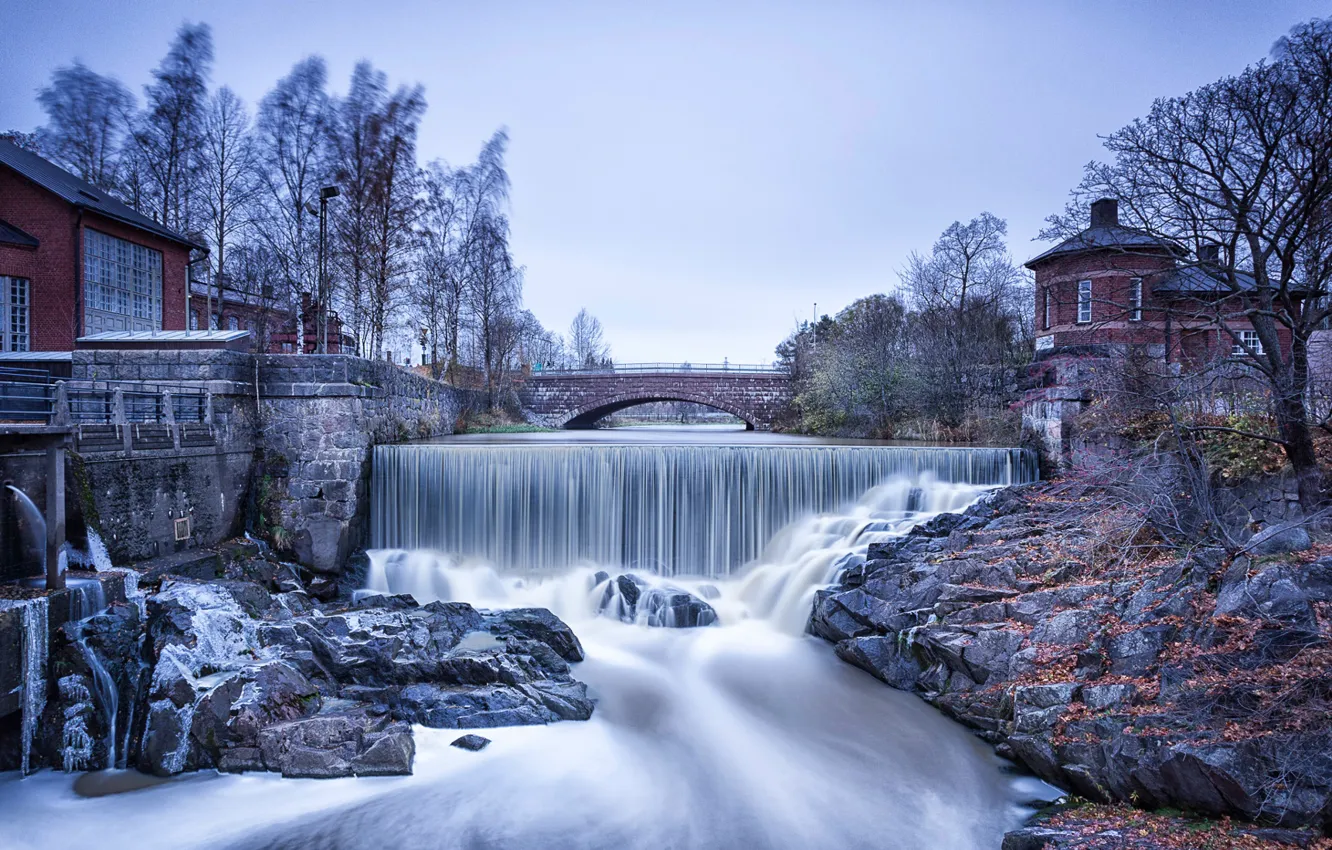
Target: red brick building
(1113, 287)
(274, 327)
(1112, 290)
(74, 261)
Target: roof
(1199, 278)
(11, 235)
(36, 356)
(81, 193)
(1106, 237)
(164, 336)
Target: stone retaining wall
(319, 419)
(286, 441)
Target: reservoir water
(744, 734)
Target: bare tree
(227, 183)
(586, 339)
(968, 298)
(167, 134)
(440, 291)
(87, 122)
(1245, 164)
(395, 207)
(291, 132)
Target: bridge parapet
(724, 368)
(578, 398)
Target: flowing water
(746, 734)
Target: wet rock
(335, 744)
(1038, 838)
(473, 743)
(633, 600)
(886, 657)
(492, 705)
(537, 624)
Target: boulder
(633, 600)
(473, 743)
(1278, 540)
(334, 744)
(536, 624)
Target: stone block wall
(579, 399)
(320, 417)
(288, 436)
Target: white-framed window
(1047, 308)
(1084, 301)
(194, 320)
(122, 284)
(15, 318)
(216, 322)
(1135, 300)
(233, 323)
(1249, 339)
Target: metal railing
(725, 368)
(26, 395)
(108, 402)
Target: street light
(321, 304)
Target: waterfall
(34, 522)
(664, 509)
(35, 615)
(87, 600)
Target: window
(1047, 308)
(122, 285)
(14, 326)
(216, 323)
(1135, 300)
(1249, 339)
(1084, 301)
(233, 323)
(194, 320)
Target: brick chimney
(1105, 213)
(1209, 252)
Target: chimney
(1105, 213)
(1209, 252)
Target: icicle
(34, 615)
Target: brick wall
(55, 270)
(51, 269)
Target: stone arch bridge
(578, 398)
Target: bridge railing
(724, 368)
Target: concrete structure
(174, 450)
(578, 398)
(75, 261)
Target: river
(748, 734)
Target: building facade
(75, 261)
(1111, 291)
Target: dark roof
(1201, 279)
(11, 235)
(1113, 237)
(81, 193)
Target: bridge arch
(589, 413)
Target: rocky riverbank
(248, 671)
(1126, 674)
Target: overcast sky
(699, 174)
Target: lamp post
(321, 308)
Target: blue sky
(698, 174)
